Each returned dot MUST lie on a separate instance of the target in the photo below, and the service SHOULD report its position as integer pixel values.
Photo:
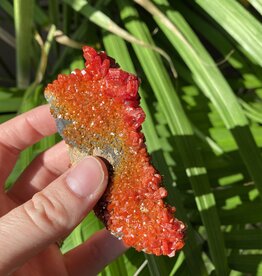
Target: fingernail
(86, 178)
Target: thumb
(51, 213)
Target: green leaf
(23, 16)
(246, 263)
(239, 23)
(244, 239)
(257, 4)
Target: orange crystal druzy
(97, 112)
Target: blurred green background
(200, 66)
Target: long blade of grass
(249, 264)
(7, 7)
(29, 101)
(6, 117)
(40, 17)
(23, 16)
(45, 48)
(257, 4)
(251, 112)
(182, 131)
(7, 38)
(53, 9)
(54, 18)
(10, 105)
(239, 23)
(67, 15)
(9, 100)
(244, 239)
(243, 214)
(34, 91)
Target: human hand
(47, 201)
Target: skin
(43, 208)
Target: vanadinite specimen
(97, 113)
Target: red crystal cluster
(97, 112)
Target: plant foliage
(200, 66)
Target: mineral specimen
(97, 113)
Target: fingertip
(88, 178)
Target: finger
(42, 171)
(21, 132)
(93, 255)
(51, 213)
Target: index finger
(20, 132)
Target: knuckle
(47, 213)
